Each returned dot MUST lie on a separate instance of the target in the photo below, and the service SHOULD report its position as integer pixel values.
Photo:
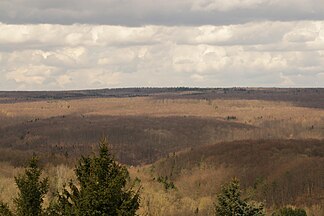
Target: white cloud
(63, 80)
(212, 34)
(305, 33)
(34, 36)
(95, 56)
(95, 77)
(30, 74)
(197, 77)
(117, 56)
(67, 56)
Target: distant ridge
(306, 97)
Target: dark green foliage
(288, 211)
(31, 190)
(167, 184)
(4, 209)
(101, 190)
(229, 202)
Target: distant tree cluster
(288, 211)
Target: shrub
(167, 184)
(288, 211)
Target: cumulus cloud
(46, 36)
(75, 44)
(45, 56)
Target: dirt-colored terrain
(272, 139)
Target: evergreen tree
(31, 190)
(229, 202)
(101, 189)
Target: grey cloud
(152, 12)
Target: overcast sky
(82, 44)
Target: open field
(272, 139)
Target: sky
(82, 44)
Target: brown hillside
(279, 171)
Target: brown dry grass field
(272, 139)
